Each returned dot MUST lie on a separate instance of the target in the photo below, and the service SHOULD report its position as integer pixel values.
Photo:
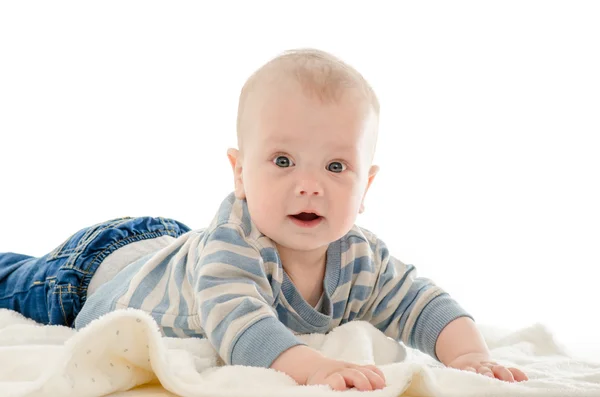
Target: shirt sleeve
(235, 301)
(409, 308)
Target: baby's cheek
(260, 218)
(344, 216)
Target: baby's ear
(236, 165)
(372, 173)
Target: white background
(489, 144)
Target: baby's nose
(309, 188)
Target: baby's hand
(481, 364)
(340, 375)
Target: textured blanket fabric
(124, 349)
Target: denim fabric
(52, 289)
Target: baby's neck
(306, 269)
(308, 282)
(308, 260)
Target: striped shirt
(227, 283)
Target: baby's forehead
(303, 74)
(345, 127)
(347, 143)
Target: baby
(282, 255)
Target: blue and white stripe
(226, 283)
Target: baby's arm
(461, 345)
(235, 301)
(420, 314)
(406, 307)
(236, 307)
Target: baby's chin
(299, 245)
(304, 242)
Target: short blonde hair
(319, 73)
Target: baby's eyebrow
(274, 140)
(345, 148)
(279, 141)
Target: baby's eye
(283, 162)
(336, 167)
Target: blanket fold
(125, 348)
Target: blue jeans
(53, 288)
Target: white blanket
(124, 349)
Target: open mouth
(306, 219)
(306, 216)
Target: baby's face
(303, 155)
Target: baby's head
(307, 130)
